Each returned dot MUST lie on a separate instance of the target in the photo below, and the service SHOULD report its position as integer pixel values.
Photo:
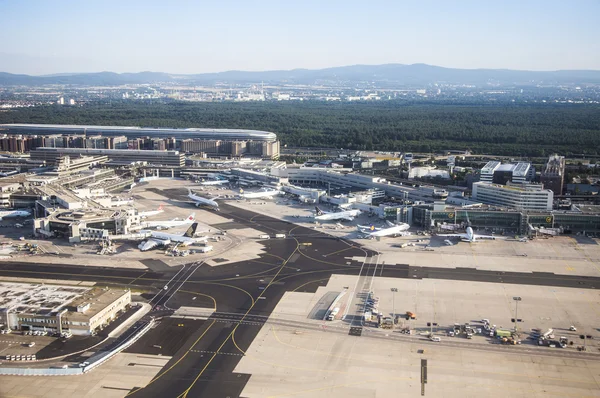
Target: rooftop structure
(133, 131)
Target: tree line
(519, 130)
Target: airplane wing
(152, 243)
(389, 223)
(347, 218)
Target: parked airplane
(391, 230)
(169, 224)
(151, 213)
(264, 194)
(340, 215)
(469, 235)
(215, 182)
(14, 213)
(162, 239)
(200, 201)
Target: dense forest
(519, 130)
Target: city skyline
(187, 38)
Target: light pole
(394, 291)
(516, 299)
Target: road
(206, 354)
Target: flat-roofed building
(498, 173)
(233, 142)
(165, 158)
(57, 309)
(514, 196)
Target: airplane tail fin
(160, 208)
(191, 230)
(319, 211)
(192, 217)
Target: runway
(205, 353)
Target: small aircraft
(348, 215)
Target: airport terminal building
(214, 142)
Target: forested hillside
(530, 130)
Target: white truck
(280, 236)
(332, 314)
(264, 237)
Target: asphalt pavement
(205, 353)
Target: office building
(553, 175)
(498, 173)
(60, 309)
(165, 158)
(228, 142)
(514, 196)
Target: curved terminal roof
(135, 132)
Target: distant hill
(382, 75)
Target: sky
(45, 37)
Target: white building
(428, 172)
(496, 172)
(516, 196)
(343, 177)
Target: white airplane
(391, 230)
(470, 236)
(151, 213)
(200, 201)
(169, 224)
(264, 194)
(215, 182)
(340, 215)
(162, 239)
(14, 213)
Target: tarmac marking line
(202, 294)
(338, 251)
(220, 353)
(232, 286)
(137, 278)
(185, 393)
(176, 362)
(307, 283)
(276, 256)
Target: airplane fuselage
(342, 215)
(200, 201)
(391, 231)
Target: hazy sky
(53, 36)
